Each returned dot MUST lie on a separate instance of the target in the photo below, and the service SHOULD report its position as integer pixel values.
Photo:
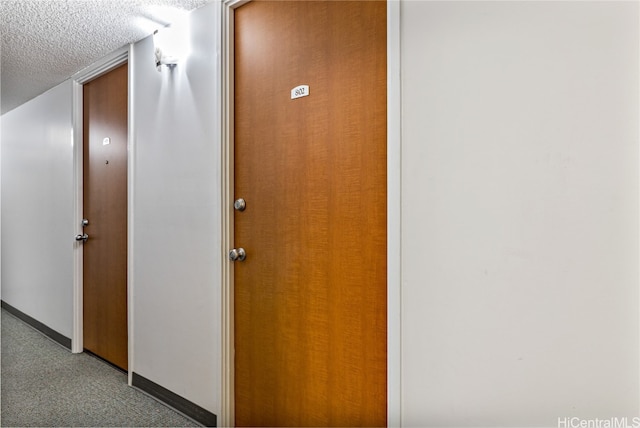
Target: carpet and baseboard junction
(45, 385)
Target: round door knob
(240, 204)
(237, 255)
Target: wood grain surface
(310, 299)
(105, 206)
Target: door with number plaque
(310, 214)
(105, 209)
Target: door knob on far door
(82, 237)
(84, 222)
(237, 255)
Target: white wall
(176, 217)
(520, 212)
(37, 209)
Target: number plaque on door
(300, 91)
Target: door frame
(108, 63)
(394, 200)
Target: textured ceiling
(44, 42)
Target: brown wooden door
(310, 298)
(105, 206)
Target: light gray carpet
(43, 384)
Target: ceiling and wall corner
(45, 42)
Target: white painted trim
(227, 405)
(77, 338)
(1, 201)
(130, 193)
(102, 66)
(394, 216)
(95, 70)
(394, 276)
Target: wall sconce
(171, 45)
(163, 54)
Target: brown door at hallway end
(310, 164)
(105, 208)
